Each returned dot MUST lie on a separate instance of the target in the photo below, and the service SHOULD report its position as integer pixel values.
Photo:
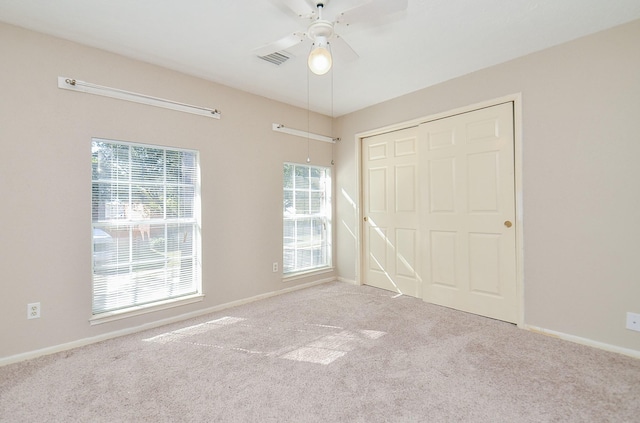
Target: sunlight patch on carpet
(178, 334)
(343, 341)
(314, 355)
(373, 334)
(308, 342)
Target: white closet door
(390, 194)
(467, 219)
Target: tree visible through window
(307, 218)
(145, 208)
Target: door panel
(468, 253)
(441, 186)
(378, 190)
(443, 258)
(406, 252)
(483, 170)
(484, 263)
(377, 249)
(405, 189)
(391, 237)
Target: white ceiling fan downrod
(320, 60)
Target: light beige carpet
(332, 353)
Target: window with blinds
(307, 218)
(145, 209)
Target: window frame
(325, 216)
(191, 223)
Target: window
(145, 209)
(307, 218)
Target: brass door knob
(365, 218)
(507, 223)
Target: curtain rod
(278, 127)
(87, 87)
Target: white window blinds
(145, 208)
(306, 218)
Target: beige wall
(581, 177)
(581, 103)
(45, 186)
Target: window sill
(299, 275)
(144, 309)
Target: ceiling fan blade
(371, 10)
(302, 8)
(283, 43)
(342, 50)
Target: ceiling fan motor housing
(320, 29)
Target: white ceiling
(430, 42)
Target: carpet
(330, 353)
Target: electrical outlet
(275, 267)
(633, 321)
(33, 311)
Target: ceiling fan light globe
(320, 60)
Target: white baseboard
(583, 341)
(86, 341)
(349, 281)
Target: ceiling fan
(321, 32)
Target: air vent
(276, 58)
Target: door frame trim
(516, 99)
